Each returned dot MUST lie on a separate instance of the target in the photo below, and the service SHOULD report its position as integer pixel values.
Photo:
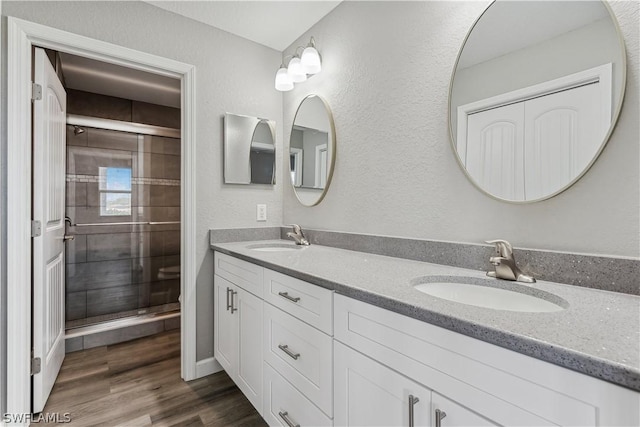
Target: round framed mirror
(535, 94)
(312, 150)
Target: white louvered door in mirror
(49, 154)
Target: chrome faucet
(505, 263)
(298, 235)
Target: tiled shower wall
(121, 270)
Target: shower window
(115, 191)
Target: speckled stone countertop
(598, 334)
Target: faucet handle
(503, 247)
(296, 228)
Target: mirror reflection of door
(295, 160)
(321, 165)
(529, 147)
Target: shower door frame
(22, 36)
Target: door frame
(22, 36)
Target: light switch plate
(261, 212)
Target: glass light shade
(283, 80)
(311, 60)
(296, 71)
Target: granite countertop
(598, 334)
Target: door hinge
(36, 92)
(36, 365)
(36, 228)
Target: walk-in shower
(123, 207)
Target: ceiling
(275, 24)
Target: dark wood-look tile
(138, 383)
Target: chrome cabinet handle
(285, 416)
(228, 303)
(439, 416)
(232, 306)
(287, 296)
(291, 354)
(412, 402)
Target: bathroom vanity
(319, 336)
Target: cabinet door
(225, 340)
(248, 312)
(455, 415)
(370, 394)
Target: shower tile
(157, 166)
(76, 305)
(112, 140)
(113, 246)
(143, 195)
(76, 194)
(172, 146)
(171, 167)
(156, 243)
(157, 115)
(75, 344)
(171, 243)
(112, 300)
(164, 292)
(123, 334)
(95, 105)
(146, 269)
(172, 195)
(152, 144)
(76, 249)
(80, 140)
(97, 275)
(157, 193)
(88, 160)
(173, 323)
(90, 215)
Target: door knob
(68, 237)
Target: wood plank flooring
(138, 383)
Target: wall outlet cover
(261, 212)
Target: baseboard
(207, 367)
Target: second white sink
(490, 294)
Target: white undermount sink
(490, 293)
(274, 247)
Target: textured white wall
(232, 74)
(386, 76)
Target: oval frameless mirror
(535, 94)
(249, 150)
(312, 148)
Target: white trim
(297, 157)
(602, 74)
(318, 178)
(208, 366)
(22, 35)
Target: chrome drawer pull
(439, 416)
(412, 402)
(285, 416)
(228, 303)
(232, 307)
(287, 296)
(285, 348)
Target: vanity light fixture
(299, 67)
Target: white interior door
(321, 166)
(49, 154)
(494, 150)
(563, 132)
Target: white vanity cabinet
(238, 321)
(472, 381)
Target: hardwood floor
(138, 383)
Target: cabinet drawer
(242, 273)
(504, 386)
(301, 354)
(282, 401)
(310, 303)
